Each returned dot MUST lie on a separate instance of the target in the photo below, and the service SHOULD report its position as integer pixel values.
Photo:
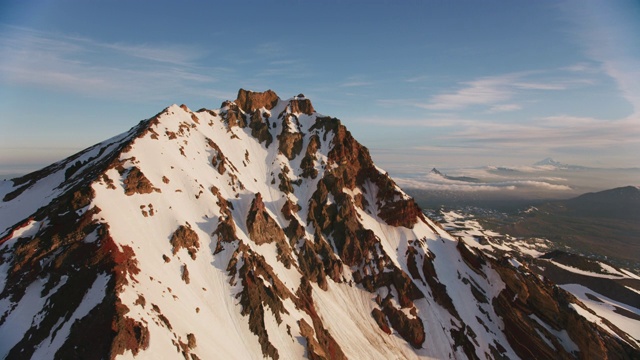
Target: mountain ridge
(267, 218)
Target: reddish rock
(289, 208)
(400, 213)
(308, 161)
(136, 182)
(301, 106)
(185, 274)
(411, 329)
(381, 320)
(289, 144)
(185, 238)
(260, 128)
(250, 101)
(262, 228)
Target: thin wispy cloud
(173, 54)
(553, 132)
(75, 64)
(356, 83)
(494, 92)
(484, 91)
(606, 31)
(540, 86)
(504, 108)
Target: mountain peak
(250, 101)
(258, 228)
(548, 161)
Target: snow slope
(260, 229)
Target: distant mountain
(549, 162)
(455, 178)
(261, 229)
(618, 203)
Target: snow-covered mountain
(552, 164)
(260, 229)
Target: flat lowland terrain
(604, 225)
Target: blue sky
(420, 83)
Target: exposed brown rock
(191, 341)
(308, 161)
(294, 231)
(325, 342)
(185, 238)
(526, 295)
(185, 274)
(136, 182)
(411, 329)
(256, 294)
(129, 334)
(250, 101)
(400, 213)
(260, 128)
(285, 183)
(217, 159)
(232, 116)
(140, 301)
(289, 208)
(226, 232)
(301, 106)
(290, 144)
(381, 320)
(314, 349)
(262, 228)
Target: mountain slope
(261, 229)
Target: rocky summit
(261, 229)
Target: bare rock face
(250, 101)
(185, 238)
(314, 349)
(256, 295)
(301, 106)
(136, 182)
(262, 228)
(527, 298)
(290, 144)
(411, 329)
(260, 128)
(308, 161)
(400, 213)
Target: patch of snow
(515, 263)
(605, 309)
(562, 335)
(583, 272)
